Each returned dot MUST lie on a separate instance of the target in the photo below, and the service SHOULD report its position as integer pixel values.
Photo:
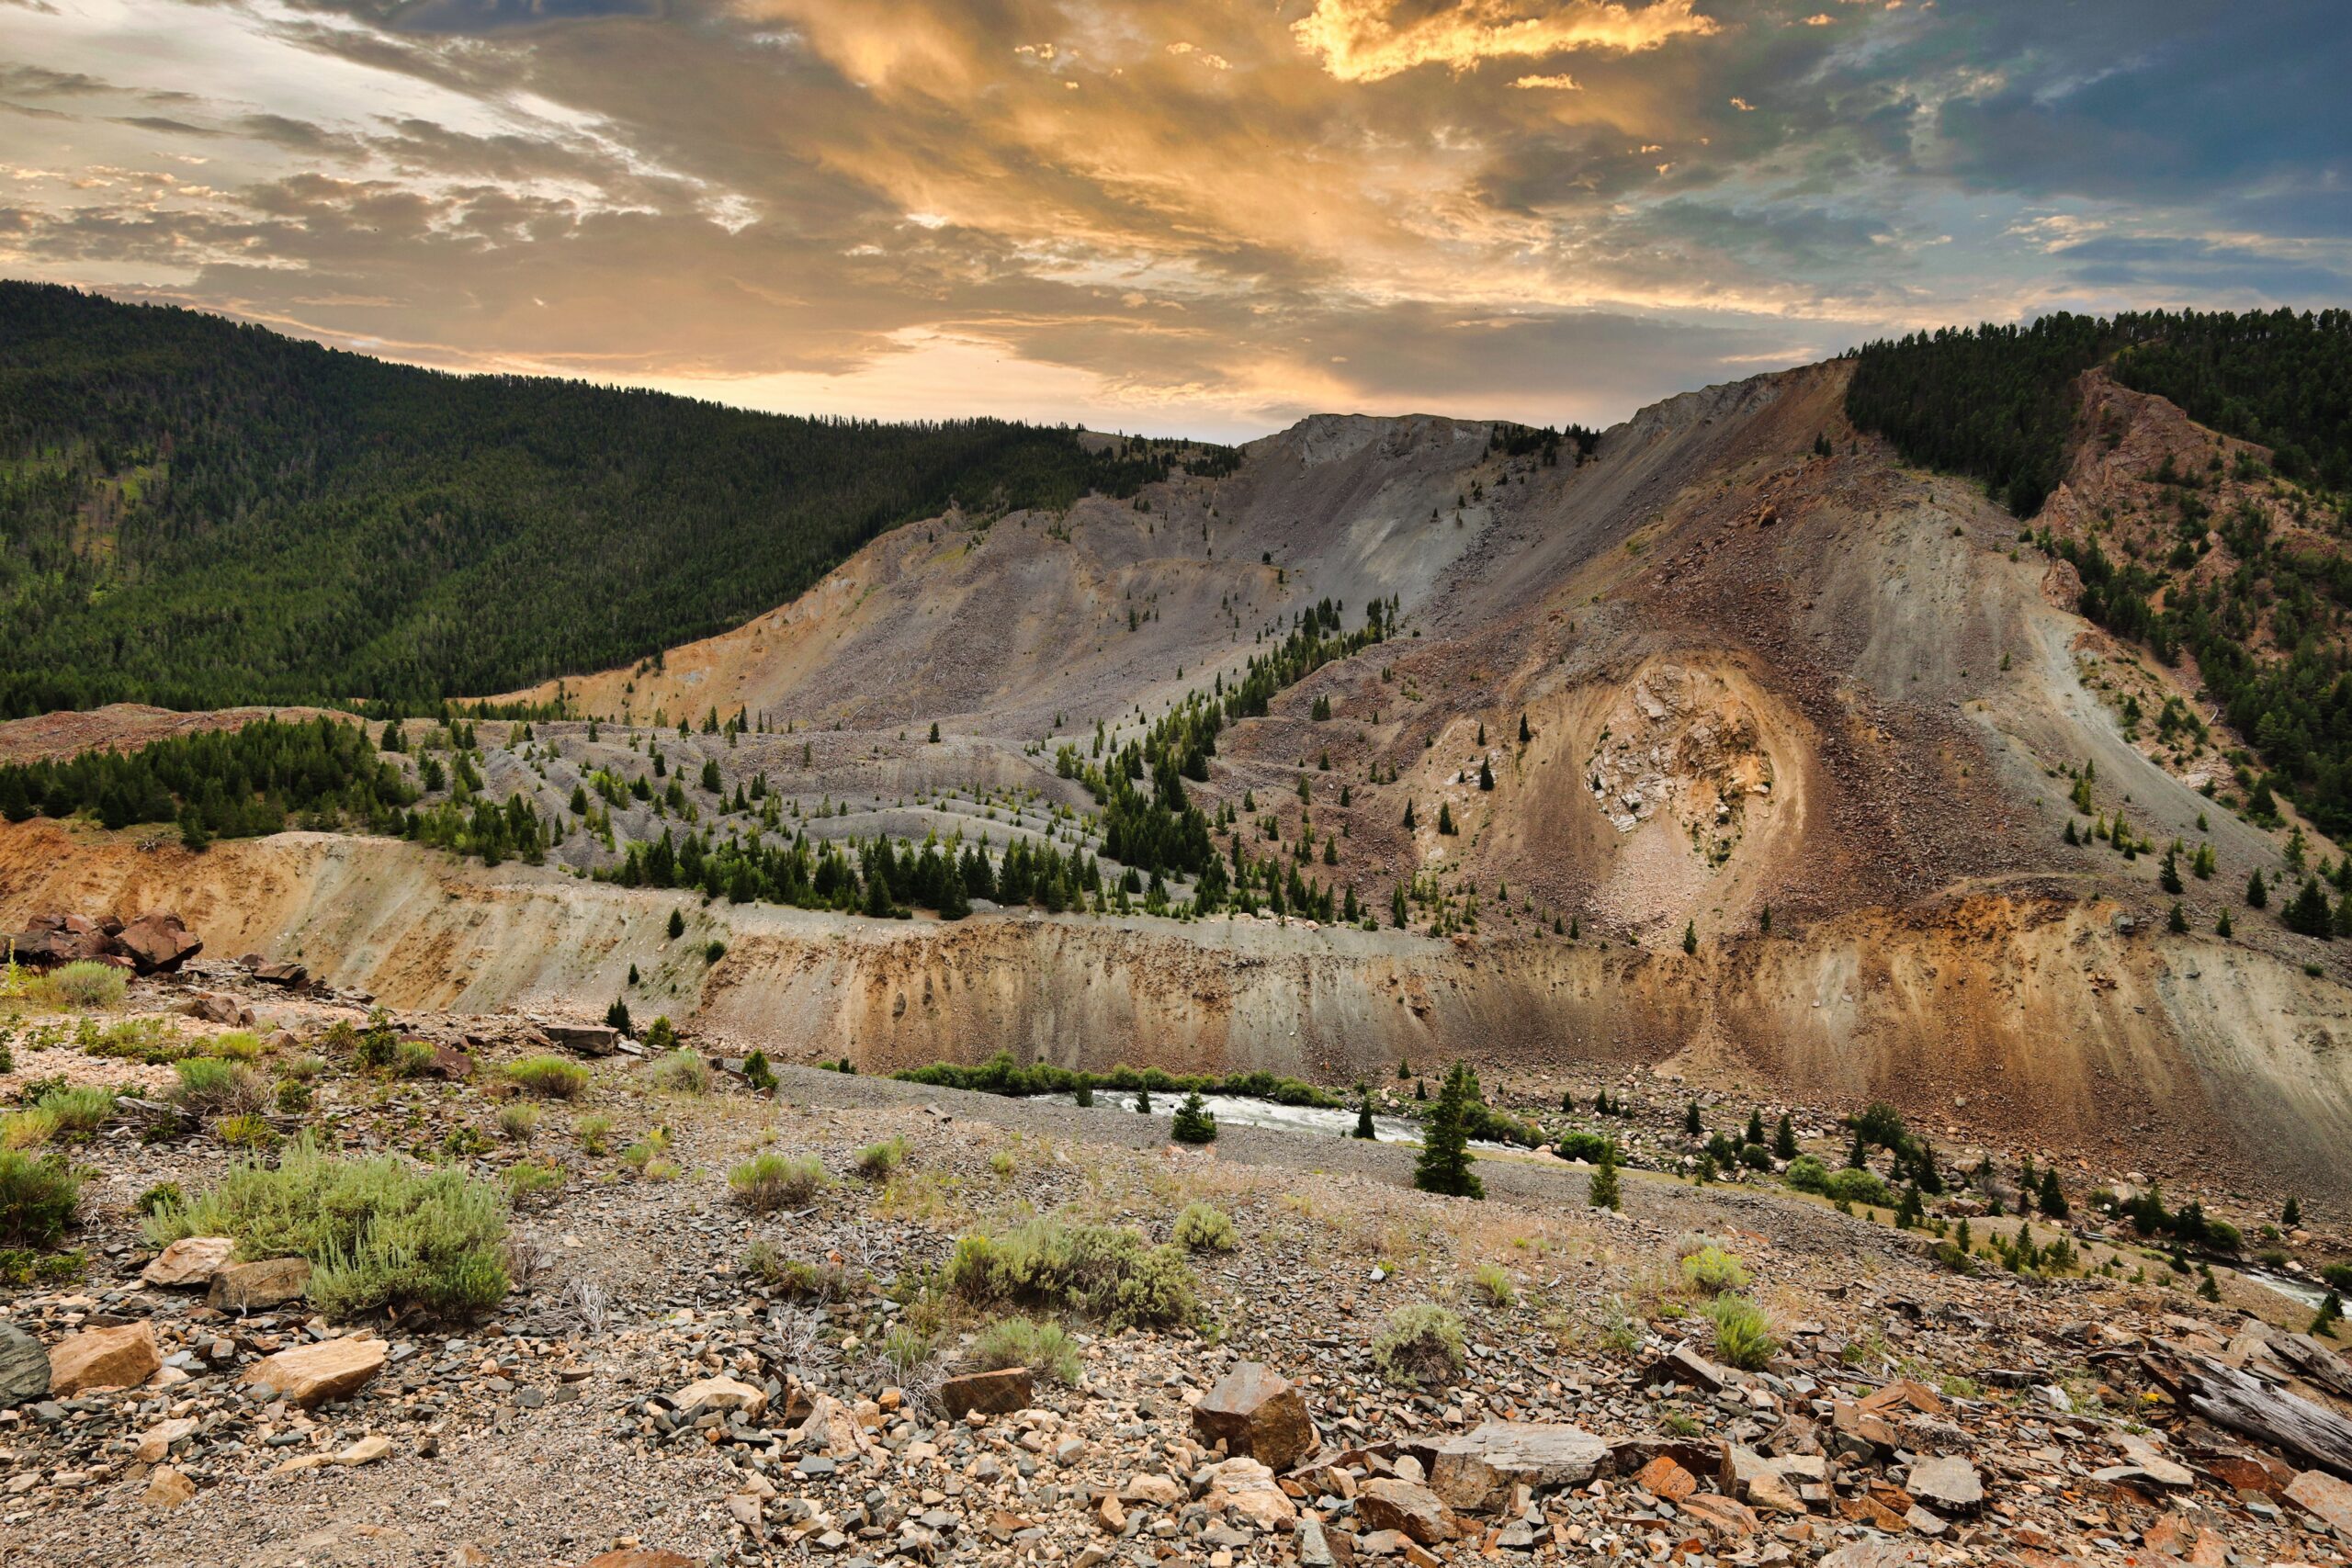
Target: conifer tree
(2177, 921)
(1754, 1126)
(1784, 1139)
(2291, 1216)
(677, 924)
(1525, 734)
(1194, 1124)
(1690, 936)
(2168, 874)
(1601, 1192)
(617, 1016)
(2256, 894)
(1364, 1128)
(1445, 1160)
(1485, 775)
(1691, 1125)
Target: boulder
(103, 1357)
(1476, 1471)
(156, 1441)
(448, 1062)
(1950, 1483)
(167, 1488)
(721, 1394)
(157, 943)
(276, 971)
(191, 1261)
(1247, 1488)
(584, 1039)
(310, 1375)
(24, 1368)
(255, 1287)
(216, 1006)
(1412, 1510)
(1664, 1479)
(999, 1393)
(2324, 1497)
(1686, 1366)
(1257, 1414)
(1720, 1514)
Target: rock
(721, 1394)
(1151, 1488)
(191, 1261)
(1720, 1514)
(24, 1367)
(366, 1450)
(1950, 1483)
(1664, 1479)
(2146, 1466)
(1684, 1365)
(1247, 1486)
(155, 1443)
(640, 1557)
(832, 1428)
(277, 972)
(1314, 1548)
(1257, 1414)
(1411, 1510)
(998, 1393)
(157, 943)
(448, 1062)
(1766, 1483)
(1876, 1552)
(309, 1374)
(215, 1007)
(167, 1488)
(103, 1357)
(584, 1039)
(1474, 1472)
(255, 1287)
(1110, 1515)
(2323, 1497)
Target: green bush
(519, 1121)
(774, 1181)
(1418, 1347)
(595, 1133)
(1807, 1174)
(162, 1195)
(1589, 1148)
(381, 1234)
(80, 1109)
(1204, 1227)
(293, 1096)
(906, 1350)
(38, 1198)
(1743, 1339)
(1193, 1124)
(549, 1078)
(237, 1045)
(1046, 1349)
(28, 1129)
(1102, 1271)
(86, 983)
(210, 1086)
(759, 1075)
(529, 1177)
(245, 1131)
(1494, 1282)
(683, 1070)
(876, 1161)
(1713, 1270)
(1857, 1186)
(793, 1276)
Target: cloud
(1363, 40)
(1564, 83)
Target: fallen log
(2318, 1438)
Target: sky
(1197, 217)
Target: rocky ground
(659, 1382)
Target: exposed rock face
(103, 1357)
(255, 1287)
(996, 1392)
(309, 1374)
(1476, 1471)
(191, 1261)
(1259, 1413)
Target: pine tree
(1690, 936)
(1445, 1161)
(757, 1074)
(632, 974)
(1485, 775)
(1444, 817)
(1193, 1124)
(1364, 1128)
(1754, 1126)
(2051, 1198)
(1691, 1125)
(1525, 734)
(1858, 1157)
(1410, 823)
(2291, 1216)
(935, 732)
(1784, 1139)
(2257, 895)
(2307, 914)
(616, 1017)
(2177, 921)
(1601, 1191)
(2168, 874)
(677, 924)
(1143, 1101)
(2069, 834)
(2331, 1313)
(2223, 927)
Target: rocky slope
(1761, 667)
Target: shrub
(1807, 1174)
(906, 1352)
(247, 1131)
(549, 1078)
(210, 1086)
(595, 1133)
(713, 951)
(162, 1195)
(772, 1181)
(1857, 1186)
(1045, 1348)
(1494, 1282)
(758, 1075)
(465, 1142)
(412, 1059)
(38, 1198)
(793, 1276)
(1193, 1124)
(662, 1034)
(1743, 1339)
(1589, 1148)
(1204, 1227)
(1713, 1270)
(237, 1045)
(1418, 1347)
(293, 1096)
(381, 1234)
(682, 1070)
(301, 1069)
(86, 983)
(529, 1177)
(28, 1129)
(519, 1121)
(1102, 1271)
(80, 1109)
(647, 1152)
(876, 1161)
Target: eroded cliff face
(2006, 1013)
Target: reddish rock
(1412, 1510)
(1257, 1413)
(103, 1357)
(310, 1375)
(1664, 1479)
(255, 1287)
(999, 1393)
(191, 1261)
(158, 943)
(2324, 1497)
(641, 1557)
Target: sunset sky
(1206, 217)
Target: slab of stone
(1411, 1510)
(1257, 1414)
(2323, 1497)
(191, 1261)
(1950, 1483)
(103, 1357)
(257, 1287)
(24, 1367)
(722, 1395)
(1248, 1487)
(998, 1393)
(1476, 1471)
(584, 1039)
(312, 1374)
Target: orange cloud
(1359, 41)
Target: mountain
(1728, 748)
(199, 513)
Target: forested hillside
(195, 513)
(2264, 617)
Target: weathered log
(2315, 1361)
(2318, 1438)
